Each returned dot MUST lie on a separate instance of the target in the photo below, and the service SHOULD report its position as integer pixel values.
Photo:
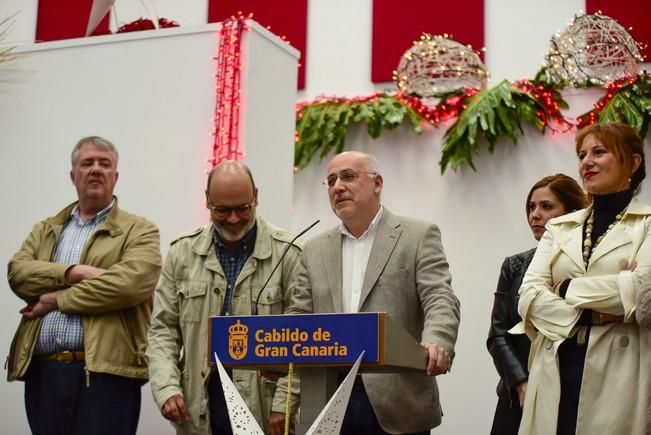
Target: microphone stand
(254, 309)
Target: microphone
(254, 309)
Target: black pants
(508, 415)
(219, 421)
(571, 359)
(58, 402)
(360, 417)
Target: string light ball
(593, 49)
(436, 65)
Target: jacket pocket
(271, 301)
(134, 322)
(192, 297)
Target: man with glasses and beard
(218, 269)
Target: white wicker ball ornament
(593, 49)
(436, 65)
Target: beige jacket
(643, 316)
(190, 290)
(616, 379)
(408, 277)
(115, 306)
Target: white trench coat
(617, 373)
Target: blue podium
(321, 346)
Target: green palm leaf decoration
(321, 127)
(492, 113)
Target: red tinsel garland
(548, 98)
(336, 100)
(448, 108)
(613, 88)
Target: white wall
(481, 214)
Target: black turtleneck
(605, 209)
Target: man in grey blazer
(377, 261)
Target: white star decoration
(242, 421)
(331, 418)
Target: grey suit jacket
(408, 277)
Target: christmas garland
(321, 125)
(496, 113)
(627, 100)
(491, 114)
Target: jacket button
(548, 344)
(623, 341)
(623, 264)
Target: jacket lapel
(619, 235)
(386, 238)
(572, 242)
(332, 257)
(615, 238)
(572, 245)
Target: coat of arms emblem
(237, 340)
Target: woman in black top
(552, 196)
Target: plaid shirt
(59, 331)
(232, 261)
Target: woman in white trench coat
(590, 362)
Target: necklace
(588, 247)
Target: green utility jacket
(115, 307)
(190, 290)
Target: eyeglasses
(346, 176)
(222, 212)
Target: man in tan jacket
(87, 277)
(219, 269)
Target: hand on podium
(438, 360)
(174, 409)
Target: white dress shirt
(354, 256)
